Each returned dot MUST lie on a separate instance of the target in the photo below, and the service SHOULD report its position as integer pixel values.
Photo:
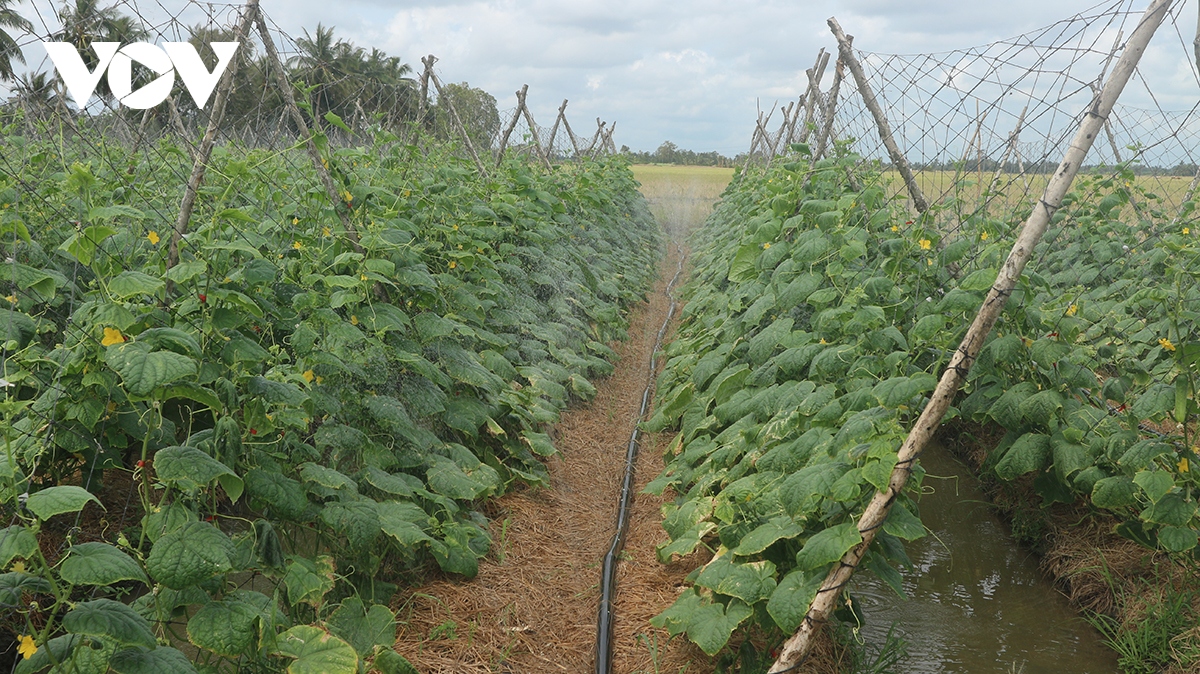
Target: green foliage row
(817, 321)
(293, 406)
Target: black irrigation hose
(608, 578)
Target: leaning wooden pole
(554, 130)
(533, 132)
(796, 648)
(814, 94)
(839, 71)
(275, 64)
(512, 124)
(457, 122)
(202, 154)
(846, 53)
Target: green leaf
(828, 546)
(903, 524)
(110, 619)
(1041, 407)
(358, 521)
(1069, 457)
(82, 245)
(790, 601)
(54, 651)
(1155, 402)
(276, 392)
(130, 283)
(748, 581)
(1176, 539)
(712, 624)
(317, 652)
(114, 211)
(161, 660)
(16, 542)
(1029, 453)
(805, 488)
(766, 534)
(99, 564)
(58, 500)
(449, 479)
(308, 580)
(391, 662)
(225, 627)
(402, 521)
(686, 542)
(337, 121)
(742, 268)
(539, 443)
(144, 370)
(981, 279)
(190, 554)
(1156, 483)
(188, 468)
(363, 628)
(284, 496)
(1171, 509)
(15, 583)
(1114, 492)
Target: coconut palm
(9, 49)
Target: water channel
(977, 603)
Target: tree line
(670, 153)
(333, 75)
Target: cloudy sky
(692, 73)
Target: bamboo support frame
(796, 648)
(839, 71)
(454, 119)
(512, 124)
(815, 75)
(554, 131)
(200, 158)
(846, 53)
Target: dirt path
(533, 606)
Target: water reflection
(976, 603)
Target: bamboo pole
(180, 128)
(200, 161)
(795, 649)
(830, 109)
(570, 134)
(815, 75)
(537, 142)
(596, 137)
(458, 125)
(885, 131)
(1011, 146)
(512, 124)
(554, 131)
(289, 100)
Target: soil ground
(533, 606)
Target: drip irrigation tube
(608, 578)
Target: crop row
(817, 320)
(318, 408)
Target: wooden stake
(570, 133)
(458, 125)
(554, 131)
(795, 649)
(512, 124)
(885, 131)
(814, 93)
(200, 161)
(830, 109)
(537, 143)
(1011, 147)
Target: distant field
(681, 197)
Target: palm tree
(9, 49)
(37, 93)
(85, 21)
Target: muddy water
(976, 602)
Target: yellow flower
(26, 647)
(453, 264)
(295, 221)
(895, 228)
(320, 379)
(347, 196)
(924, 244)
(353, 319)
(406, 193)
(1182, 465)
(112, 336)
(18, 566)
(822, 341)
(362, 277)
(1187, 231)
(308, 376)
(297, 245)
(12, 299)
(456, 228)
(929, 263)
(983, 236)
(153, 236)
(325, 231)
(1166, 344)
(766, 246)
(325, 162)
(1072, 309)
